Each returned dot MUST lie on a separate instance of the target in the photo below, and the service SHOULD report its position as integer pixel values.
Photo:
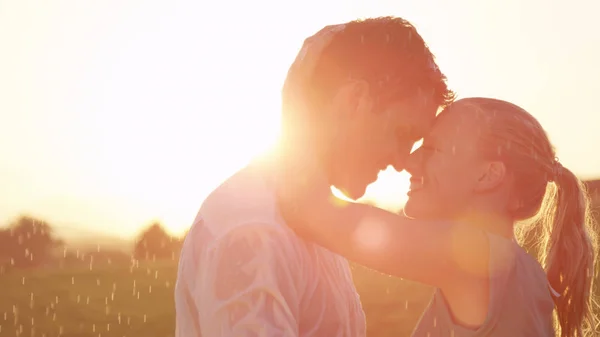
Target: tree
(28, 242)
(155, 244)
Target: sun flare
(387, 192)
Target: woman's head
(491, 157)
(481, 155)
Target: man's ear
(492, 175)
(353, 97)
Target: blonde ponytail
(569, 251)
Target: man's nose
(399, 160)
(414, 162)
(401, 155)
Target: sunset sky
(117, 112)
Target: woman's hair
(554, 198)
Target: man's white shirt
(243, 272)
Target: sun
(387, 192)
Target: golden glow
(388, 192)
(371, 234)
(108, 126)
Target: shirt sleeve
(250, 284)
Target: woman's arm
(432, 252)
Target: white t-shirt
(243, 272)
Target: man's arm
(249, 284)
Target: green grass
(121, 301)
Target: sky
(116, 113)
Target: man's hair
(386, 52)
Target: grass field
(138, 301)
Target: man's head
(372, 89)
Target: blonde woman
(485, 166)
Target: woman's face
(447, 169)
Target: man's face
(368, 141)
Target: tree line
(29, 242)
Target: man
(357, 96)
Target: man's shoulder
(243, 205)
(243, 199)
